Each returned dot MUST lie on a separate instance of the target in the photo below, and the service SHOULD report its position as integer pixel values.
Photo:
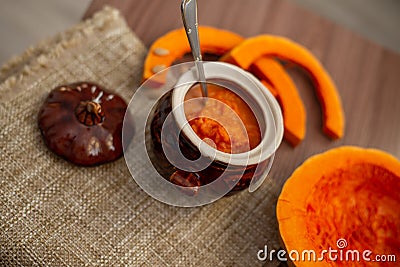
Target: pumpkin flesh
(250, 50)
(349, 193)
(294, 115)
(175, 44)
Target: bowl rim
(270, 112)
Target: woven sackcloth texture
(53, 213)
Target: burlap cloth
(53, 213)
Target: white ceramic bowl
(263, 104)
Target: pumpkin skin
(174, 45)
(250, 50)
(294, 113)
(273, 75)
(346, 192)
(82, 123)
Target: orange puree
(224, 120)
(363, 209)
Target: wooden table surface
(367, 75)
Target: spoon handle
(189, 18)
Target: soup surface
(224, 120)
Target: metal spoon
(189, 18)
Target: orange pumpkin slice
(274, 77)
(249, 51)
(344, 199)
(294, 115)
(174, 45)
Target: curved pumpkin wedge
(294, 115)
(345, 193)
(174, 45)
(274, 77)
(254, 48)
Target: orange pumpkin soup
(224, 121)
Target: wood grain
(365, 73)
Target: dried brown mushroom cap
(82, 123)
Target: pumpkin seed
(161, 51)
